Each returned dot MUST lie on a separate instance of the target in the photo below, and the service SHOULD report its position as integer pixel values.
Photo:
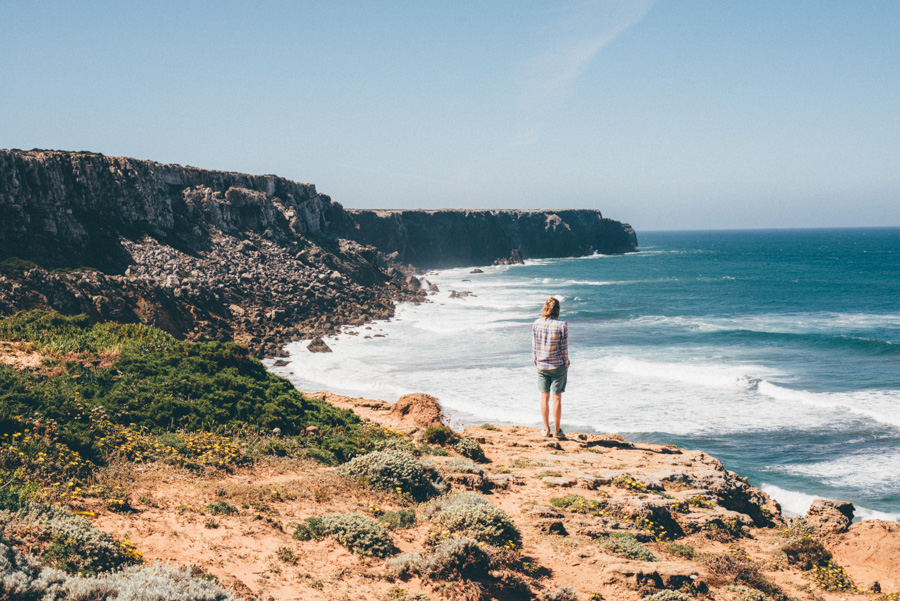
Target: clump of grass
(562, 593)
(578, 504)
(395, 471)
(221, 508)
(489, 427)
(459, 558)
(626, 545)
(686, 551)
(668, 596)
(360, 534)
(630, 483)
(731, 569)
(695, 501)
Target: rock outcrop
(260, 259)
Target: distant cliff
(261, 259)
(451, 238)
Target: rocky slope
(261, 259)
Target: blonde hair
(551, 308)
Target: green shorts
(553, 380)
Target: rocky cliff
(262, 259)
(452, 238)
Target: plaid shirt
(550, 343)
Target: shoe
(560, 434)
(545, 433)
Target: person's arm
(534, 343)
(564, 344)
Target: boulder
(663, 574)
(830, 517)
(318, 346)
(422, 410)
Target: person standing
(550, 347)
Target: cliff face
(69, 209)
(451, 238)
(261, 259)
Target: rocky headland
(258, 259)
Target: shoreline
(796, 499)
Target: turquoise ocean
(777, 351)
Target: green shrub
(361, 534)
(626, 545)
(471, 514)
(396, 444)
(747, 594)
(395, 471)
(323, 456)
(668, 596)
(404, 566)
(155, 382)
(459, 558)
(832, 577)
(65, 541)
(469, 447)
(805, 552)
(312, 528)
(14, 268)
(221, 508)
(439, 435)
(398, 520)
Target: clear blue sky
(674, 114)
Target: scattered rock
(318, 346)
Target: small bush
(396, 444)
(626, 545)
(65, 541)
(395, 471)
(458, 465)
(747, 594)
(23, 579)
(724, 569)
(805, 552)
(439, 435)
(312, 528)
(563, 593)
(361, 534)
(404, 566)
(668, 596)
(398, 520)
(459, 558)
(477, 518)
(221, 508)
(469, 447)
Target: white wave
(869, 471)
(878, 405)
(707, 376)
(797, 503)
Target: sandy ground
(254, 553)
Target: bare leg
(557, 410)
(545, 410)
